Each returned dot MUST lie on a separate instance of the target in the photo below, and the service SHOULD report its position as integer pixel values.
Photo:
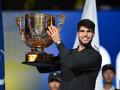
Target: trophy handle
(21, 30)
(62, 19)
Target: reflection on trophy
(33, 32)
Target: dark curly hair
(86, 23)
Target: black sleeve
(63, 51)
(92, 62)
(84, 62)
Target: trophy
(32, 29)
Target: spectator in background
(54, 81)
(108, 73)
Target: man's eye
(89, 31)
(81, 30)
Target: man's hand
(54, 33)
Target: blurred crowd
(56, 4)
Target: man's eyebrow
(82, 30)
(89, 30)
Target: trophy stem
(38, 50)
(33, 50)
(38, 55)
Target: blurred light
(118, 71)
(105, 56)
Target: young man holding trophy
(79, 66)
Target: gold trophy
(32, 29)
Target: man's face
(54, 85)
(108, 76)
(85, 35)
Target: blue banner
(2, 83)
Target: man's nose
(85, 33)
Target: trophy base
(38, 57)
(44, 62)
(43, 67)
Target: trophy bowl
(32, 29)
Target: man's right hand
(54, 33)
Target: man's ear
(93, 34)
(49, 85)
(77, 32)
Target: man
(54, 81)
(108, 73)
(80, 66)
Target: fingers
(49, 33)
(53, 33)
(52, 30)
(59, 29)
(55, 29)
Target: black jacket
(79, 70)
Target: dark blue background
(109, 28)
